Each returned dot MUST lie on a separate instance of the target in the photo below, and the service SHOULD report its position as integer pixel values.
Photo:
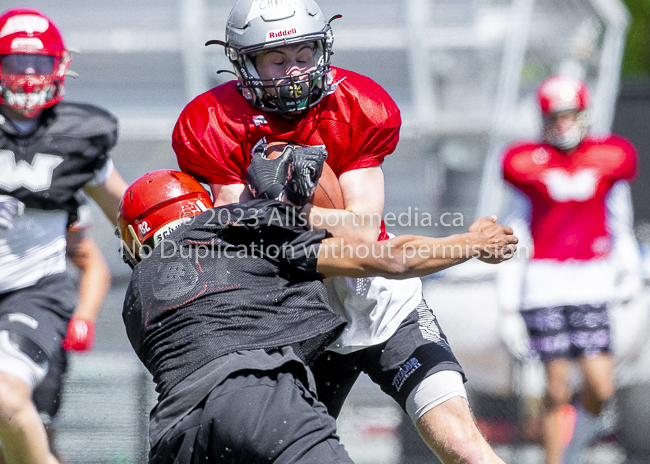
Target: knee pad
(22, 357)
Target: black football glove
(265, 177)
(306, 169)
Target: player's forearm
(93, 287)
(108, 195)
(350, 225)
(231, 193)
(399, 258)
(421, 256)
(95, 278)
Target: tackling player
(287, 90)
(566, 188)
(227, 309)
(49, 150)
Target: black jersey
(240, 277)
(45, 168)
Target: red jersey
(215, 134)
(568, 193)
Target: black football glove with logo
(265, 177)
(306, 169)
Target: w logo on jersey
(35, 177)
(564, 187)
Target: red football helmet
(564, 102)
(153, 206)
(33, 61)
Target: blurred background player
(49, 150)
(571, 198)
(287, 90)
(94, 281)
(236, 392)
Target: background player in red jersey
(564, 188)
(49, 150)
(287, 90)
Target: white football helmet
(257, 25)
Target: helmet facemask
(565, 134)
(30, 89)
(256, 26)
(286, 94)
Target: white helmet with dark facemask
(258, 25)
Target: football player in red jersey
(49, 150)
(287, 90)
(566, 187)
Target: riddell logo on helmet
(282, 33)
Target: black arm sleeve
(300, 255)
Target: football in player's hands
(328, 192)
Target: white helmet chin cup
(257, 25)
